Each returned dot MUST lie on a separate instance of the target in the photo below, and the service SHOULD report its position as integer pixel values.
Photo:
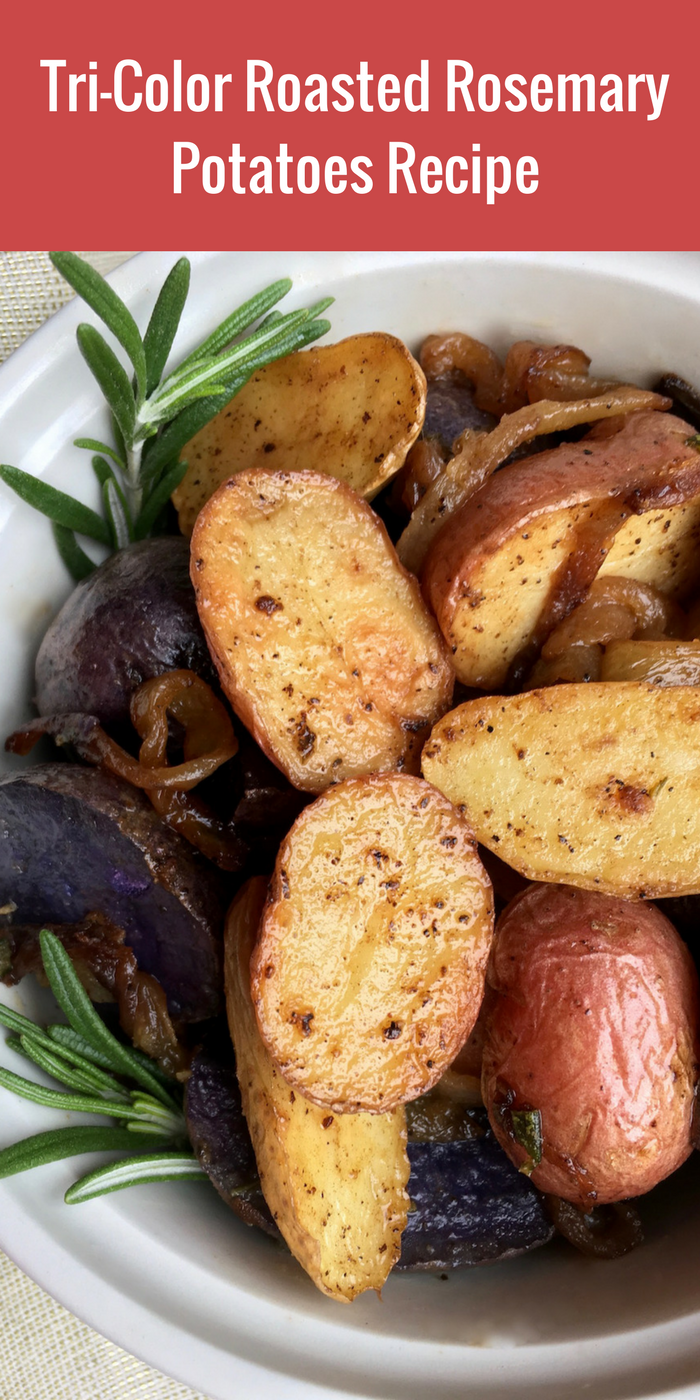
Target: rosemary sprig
(85, 1057)
(154, 415)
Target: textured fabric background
(46, 1354)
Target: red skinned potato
(522, 552)
(593, 1021)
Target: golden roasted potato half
(352, 409)
(369, 971)
(592, 1023)
(322, 640)
(514, 560)
(336, 1186)
(592, 785)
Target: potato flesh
(352, 409)
(593, 1021)
(593, 785)
(658, 663)
(323, 642)
(526, 548)
(369, 971)
(335, 1186)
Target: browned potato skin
(322, 640)
(336, 1186)
(593, 1021)
(595, 785)
(522, 552)
(352, 409)
(369, 971)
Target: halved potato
(324, 645)
(336, 1186)
(591, 785)
(523, 551)
(659, 663)
(369, 971)
(352, 410)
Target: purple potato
(450, 408)
(76, 841)
(219, 1133)
(133, 618)
(471, 1206)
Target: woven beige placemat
(46, 1353)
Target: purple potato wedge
(132, 619)
(76, 841)
(471, 1206)
(219, 1132)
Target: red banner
(369, 126)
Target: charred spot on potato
(268, 605)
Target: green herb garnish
(526, 1124)
(153, 417)
(85, 1057)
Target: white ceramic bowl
(167, 1271)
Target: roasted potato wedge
(336, 1186)
(478, 456)
(352, 410)
(658, 662)
(514, 560)
(324, 645)
(593, 1023)
(369, 971)
(591, 785)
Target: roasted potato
(659, 662)
(469, 1206)
(135, 617)
(509, 565)
(218, 1131)
(323, 643)
(369, 971)
(76, 841)
(592, 785)
(352, 410)
(593, 1026)
(336, 1186)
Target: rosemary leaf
(136, 1171)
(69, 1103)
(168, 398)
(172, 438)
(76, 1005)
(59, 507)
(117, 513)
(78, 563)
(58, 1143)
(94, 445)
(109, 307)
(73, 1043)
(165, 320)
(239, 321)
(83, 1077)
(158, 498)
(111, 377)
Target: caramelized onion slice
(440, 354)
(479, 457)
(658, 663)
(108, 969)
(209, 741)
(605, 1232)
(616, 609)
